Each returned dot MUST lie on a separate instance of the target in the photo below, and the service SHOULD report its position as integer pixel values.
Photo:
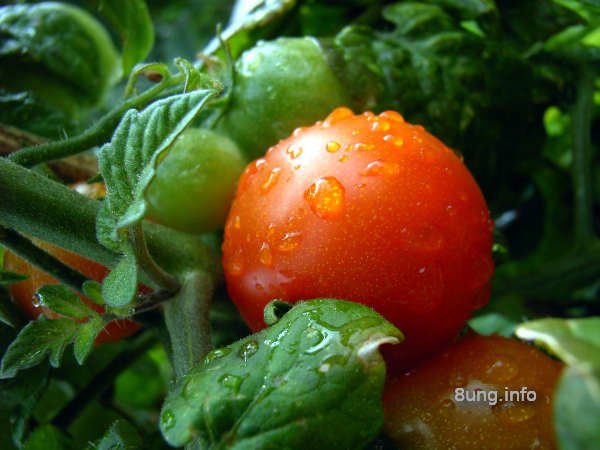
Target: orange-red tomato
(365, 208)
(23, 292)
(477, 394)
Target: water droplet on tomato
(369, 115)
(35, 301)
(514, 412)
(380, 125)
(392, 115)
(343, 158)
(237, 222)
(451, 210)
(361, 147)
(361, 185)
(326, 197)
(380, 167)
(271, 180)
(394, 140)
(289, 241)
(355, 132)
(501, 370)
(332, 146)
(294, 151)
(235, 263)
(337, 115)
(264, 255)
(298, 131)
(426, 237)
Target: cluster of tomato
(372, 209)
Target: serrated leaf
(318, 367)
(11, 277)
(34, 342)
(93, 291)
(577, 409)
(63, 301)
(131, 19)
(575, 341)
(47, 437)
(120, 436)
(86, 335)
(128, 162)
(120, 286)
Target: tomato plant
(366, 208)
(195, 182)
(483, 392)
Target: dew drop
(289, 241)
(337, 115)
(216, 354)
(332, 146)
(394, 140)
(232, 382)
(361, 147)
(247, 350)
(369, 115)
(392, 115)
(235, 263)
(298, 131)
(379, 167)
(271, 180)
(361, 185)
(294, 151)
(380, 125)
(264, 255)
(237, 222)
(343, 158)
(355, 132)
(35, 301)
(514, 412)
(326, 197)
(502, 370)
(167, 419)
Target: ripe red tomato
(364, 208)
(477, 394)
(23, 292)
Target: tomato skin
(422, 410)
(364, 208)
(195, 182)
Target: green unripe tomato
(195, 182)
(280, 85)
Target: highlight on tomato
(367, 208)
(483, 392)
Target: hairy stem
(99, 133)
(40, 259)
(582, 157)
(187, 320)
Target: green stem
(42, 260)
(187, 320)
(148, 264)
(95, 135)
(582, 157)
(41, 208)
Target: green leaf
(9, 314)
(47, 437)
(11, 277)
(36, 340)
(120, 286)
(577, 409)
(63, 301)
(318, 367)
(93, 291)
(120, 436)
(128, 163)
(575, 341)
(84, 342)
(132, 21)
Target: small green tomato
(195, 182)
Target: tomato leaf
(575, 341)
(577, 409)
(84, 342)
(120, 436)
(11, 277)
(63, 301)
(120, 285)
(36, 340)
(319, 367)
(132, 21)
(128, 162)
(47, 437)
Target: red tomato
(477, 394)
(364, 208)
